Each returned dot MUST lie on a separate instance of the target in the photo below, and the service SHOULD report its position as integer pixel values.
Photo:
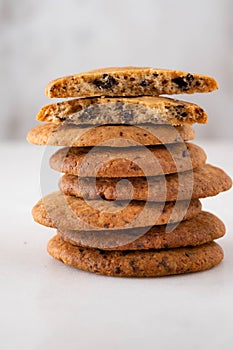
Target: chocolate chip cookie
(108, 135)
(147, 263)
(72, 213)
(128, 162)
(206, 181)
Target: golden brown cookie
(203, 228)
(125, 110)
(128, 162)
(108, 135)
(72, 213)
(202, 182)
(130, 81)
(142, 263)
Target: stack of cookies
(129, 200)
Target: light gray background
(42, 40)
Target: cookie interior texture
(72, 213)
(123, 110)
(128, 161)
(149, 263)
(108, 135)
(202, 182)
(129, 81)
(203, 228)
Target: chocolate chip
(132, 264)
(155, 75)
(117, 270)
(106, 82)
(106, 225)
(89, 114)
(184, 114)
(180, 82)
(201, 111)
(144, 83)
(189, 78)
(127, 116)
(139, 245)
(165, 265)
(166, 246)
(121, 133)
(184, 82)
(60, 118)
(119, 106)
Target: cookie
(109, 135)
(137, 110)
(202, 182)
(129, 81)
(128, 162)
(72, 213)
(203, 228)
(147, 263)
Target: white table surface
(46, 305)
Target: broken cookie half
(130, 81)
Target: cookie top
(128, 162)
(130, 81)
(202, 182)
(109, 135)
(143, 263)
(125, 110)
(72, 213)
(203, 228)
